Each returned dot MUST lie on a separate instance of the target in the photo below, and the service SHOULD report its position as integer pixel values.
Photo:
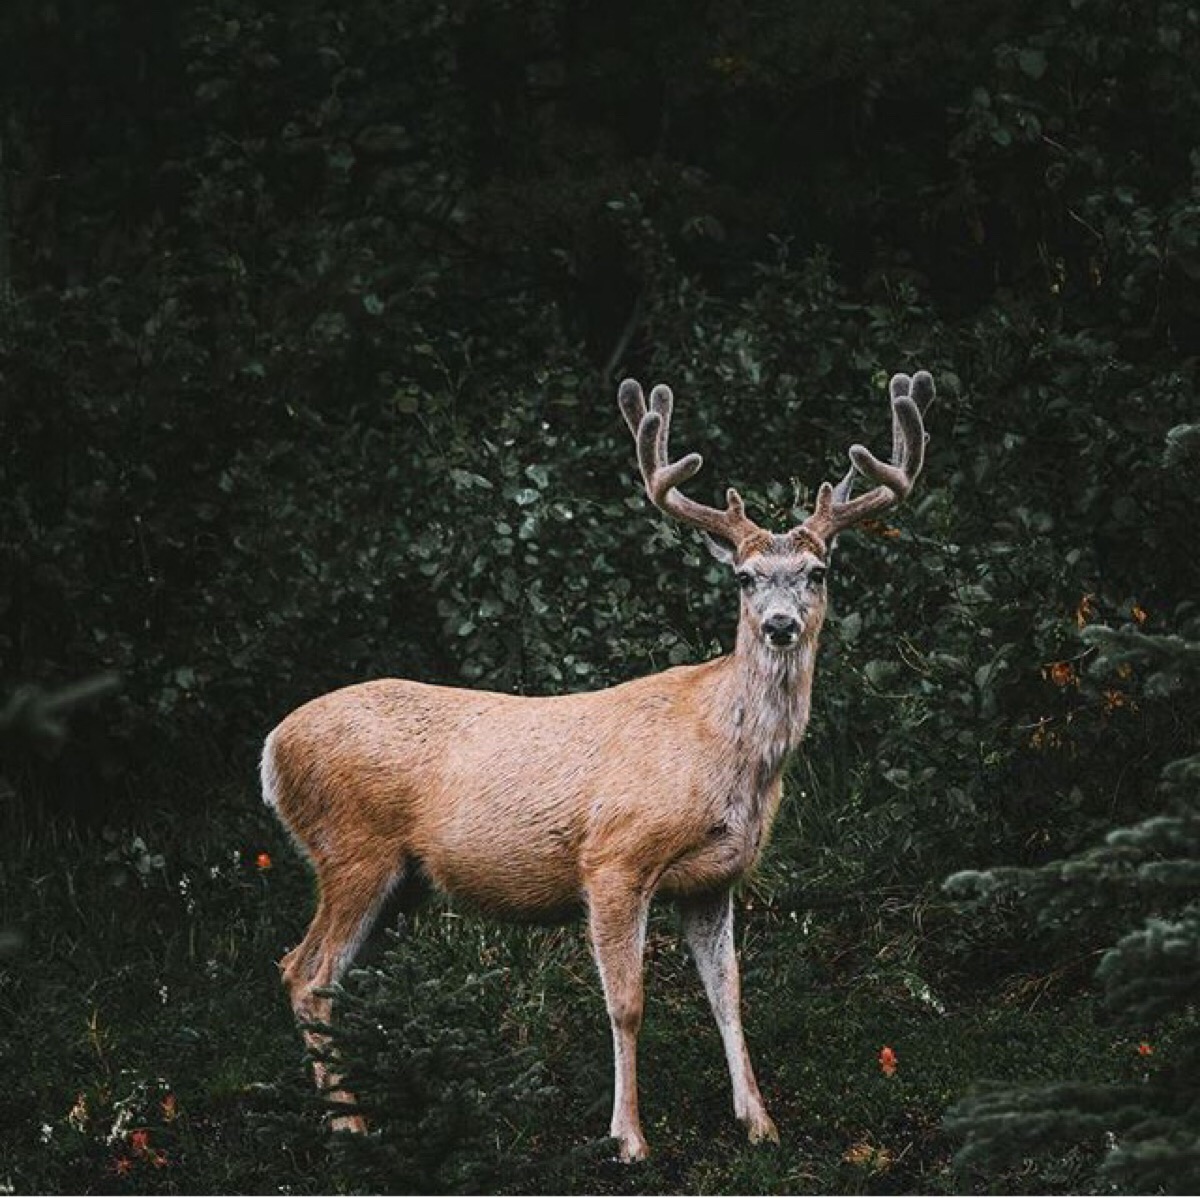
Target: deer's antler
(835, 510)
(651, 430)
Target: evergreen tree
(1146, 1129)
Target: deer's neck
(762, 706)
(766, 702)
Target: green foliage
(1148, 976)
(184, 1034)
(310, 325)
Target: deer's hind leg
(351, 896)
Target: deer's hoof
(761, 1129)
(632, 1147)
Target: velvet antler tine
(923, 394)
(900, 385)
(844, 489)
(883, 474)
(633, 404)
(922, 389)
(662, 401)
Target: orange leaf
(1085, 611)
(1061, 673)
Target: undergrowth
(150, 1048)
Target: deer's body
(528, 807)
(674, 778)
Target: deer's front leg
(617, 913)
(708, 926)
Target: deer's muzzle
(781, 631)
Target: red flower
(122, 1165)
(1145, 1050)
(263, 861)
(139, 1141)
(887, 1061)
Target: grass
(148, 1046)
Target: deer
(525, 806)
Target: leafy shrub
(426, 1045)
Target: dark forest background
(311, 322)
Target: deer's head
(781, 575)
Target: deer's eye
(816, 576)
(746, 580)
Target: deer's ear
(724, 551)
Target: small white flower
(163, 994)
(46, 1133)
(124, 1108)
(120, 1126)
(926, 995)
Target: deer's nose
(781, 630)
